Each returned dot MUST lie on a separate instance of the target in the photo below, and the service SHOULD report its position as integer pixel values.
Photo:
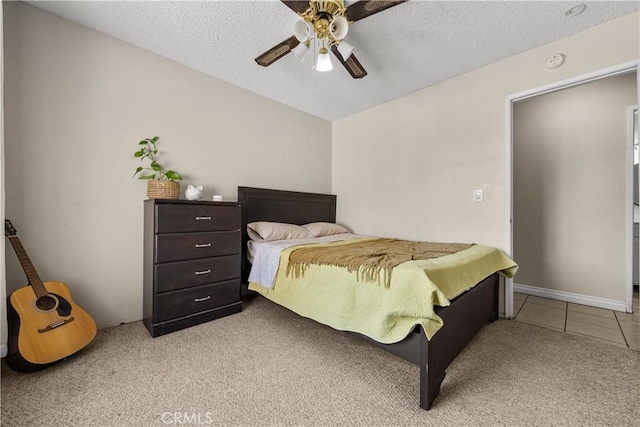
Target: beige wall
(77, 102)
(570, 208)
(408, 168)
(3, 293)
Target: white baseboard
(592, 301)
(3, 350)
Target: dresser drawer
(184, 274)
(188, 218)
(177, 247)
(170, 305)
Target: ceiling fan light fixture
(345, 49)
(301, 51)
(303, 31)
(324, 61)
(339, 27)
(325, 25)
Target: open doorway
(617, 300)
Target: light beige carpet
(268, 366)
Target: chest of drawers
(191, 263)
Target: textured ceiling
(403, 49)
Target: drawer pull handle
(204, 245)
(199, 218)
(203, 299)
(203, 272)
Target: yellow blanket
(332, 295)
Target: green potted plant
(162, 183)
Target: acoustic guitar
(45, 324)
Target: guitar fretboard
(29, 269)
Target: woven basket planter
(163, 189)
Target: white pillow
(319, 229)
(267, 231)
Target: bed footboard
(462, 320)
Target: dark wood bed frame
(462, 319)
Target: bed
(462, 319)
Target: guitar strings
(47, 303)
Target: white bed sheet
(265, 256)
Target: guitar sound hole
(46, 303)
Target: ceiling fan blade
(277, 52)
(352, 64)
(296, 6)
(364, 8)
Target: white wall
(408, 168)
(77, 102)
(570, 162)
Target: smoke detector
(554, 61)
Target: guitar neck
(29, 269)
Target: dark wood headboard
(293, 207)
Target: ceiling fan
(323, 26)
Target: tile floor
(612, 327)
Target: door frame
(623, 68)
(630, 196)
